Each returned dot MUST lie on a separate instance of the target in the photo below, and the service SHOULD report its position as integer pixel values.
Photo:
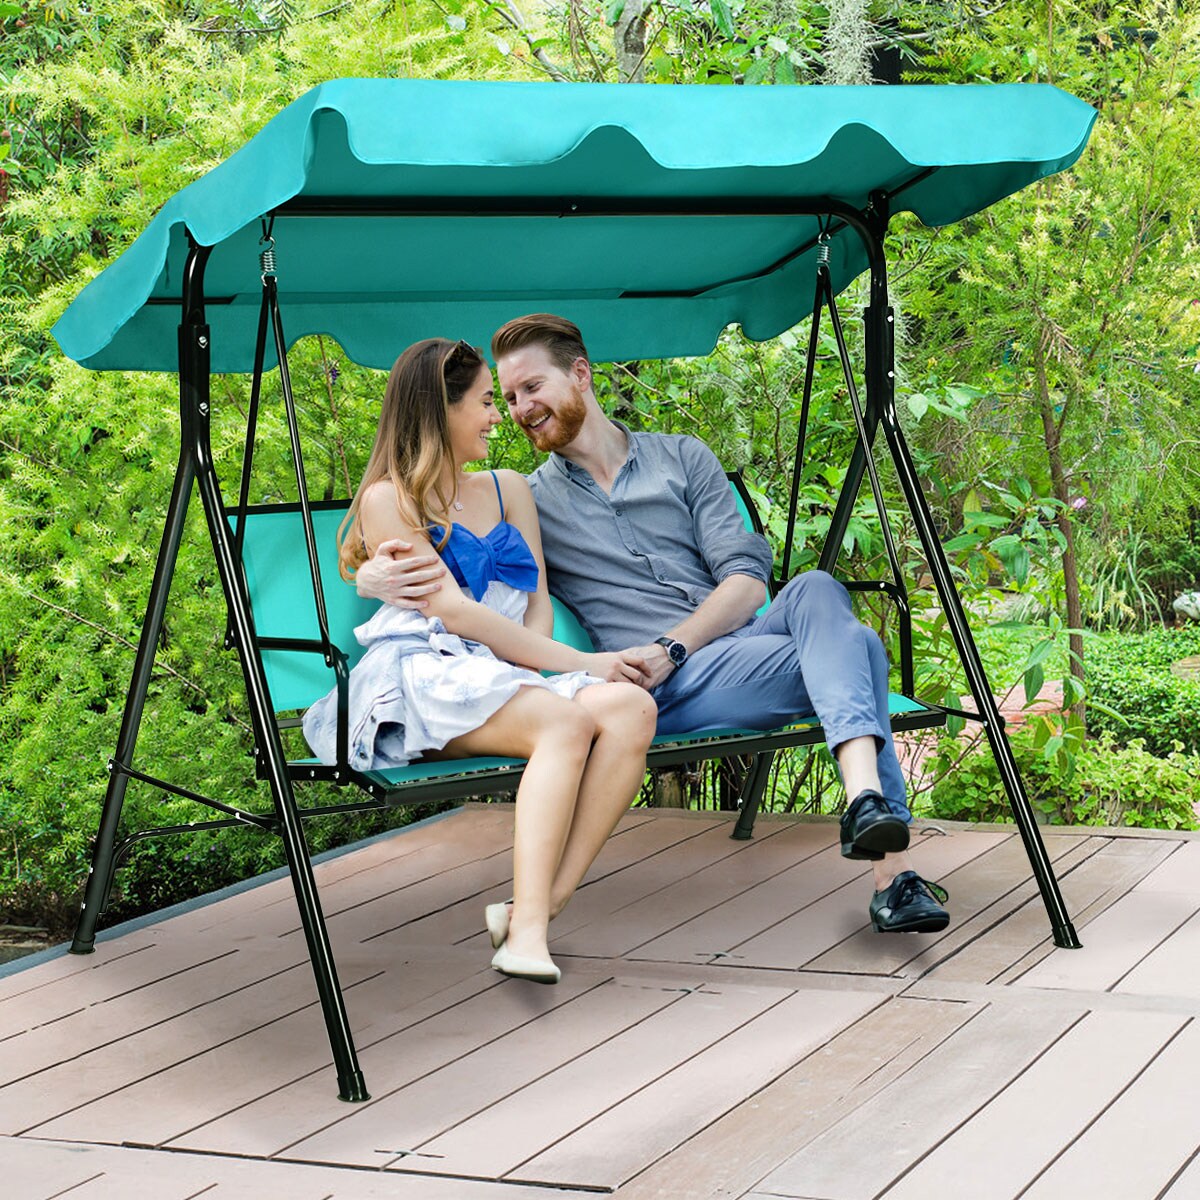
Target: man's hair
(561, 338)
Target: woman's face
(472, 419)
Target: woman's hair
(412, 443)
(561, 338)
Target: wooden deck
(727, 1026)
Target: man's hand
(654, 662)
(621, 667)
(399, 581)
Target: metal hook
(822, 249)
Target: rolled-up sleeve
(726, 545)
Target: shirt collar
(569, 469)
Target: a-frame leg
(879, 321)
(993, 724)
(194, 390)
(99, 880)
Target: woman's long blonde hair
(412, 443)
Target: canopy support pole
(196, 465)
(879, 321)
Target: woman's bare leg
(555, 735)
(624, 715)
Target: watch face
(676, 652)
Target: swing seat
(289, 642)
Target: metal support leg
(753, 787)
(99, 880)
(194, 380)
(1043, 871)
(881, 410)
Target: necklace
(457, 504)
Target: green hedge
(1110, 785)
(1132, 676)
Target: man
(643, 541)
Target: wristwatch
(676, 651)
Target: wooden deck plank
(36, 1170)
(434, 1098)
(129, 1012)
(1180, 872)
(763, 1081)
(735, 1152)
(1173, 969)
(204, 1063)
(637, 890)
(1005, 1145)
(459, 840)
(412, 1046)
(51, 973)
(654, 1121)
(1090, 879)
(639, 849)
(1117, 940)
(699, 889)
(396, 914)
(834, 934)
(983, 891)
(1100, 1163)
(497, 1141)
(65, 995)
(718, 932)
(1186, 1185)
(874, 1145)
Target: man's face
(544, 400)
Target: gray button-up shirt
(634, 563)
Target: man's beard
(567, 418)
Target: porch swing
(722, 202)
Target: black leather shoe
(870, 829)
(910, 905)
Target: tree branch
(508, 12)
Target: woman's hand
(625, 666)
(399, 581)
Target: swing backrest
(281, 595)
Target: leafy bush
(1106, 784)
(1132, 677)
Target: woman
(443, 681)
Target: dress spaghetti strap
(499, 494)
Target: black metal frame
(195, 467)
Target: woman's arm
(382, 521)
(521, 511)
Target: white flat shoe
(537, 970)
(496, 917)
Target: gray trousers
(806, 654)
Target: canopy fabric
(500, 183)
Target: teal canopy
(653, 216)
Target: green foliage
(1131, 676)
(1108, 784)
(108, 112)
(109, 109)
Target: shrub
(1131, 675)
(1109, 785)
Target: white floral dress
(418, 686)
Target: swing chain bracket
(266, 259)
(823, 249)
